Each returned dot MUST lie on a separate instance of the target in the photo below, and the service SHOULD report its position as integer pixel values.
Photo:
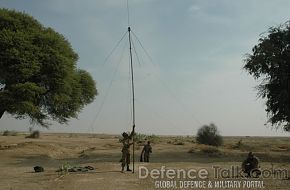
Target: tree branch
(1, 113)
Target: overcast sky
(194, 75)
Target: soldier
(251, 165)
(147, 149)
(126, 149)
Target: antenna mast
(133, 93)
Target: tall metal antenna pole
(133, 95)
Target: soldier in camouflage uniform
(251, 164)
(126, 149)
(147, 149)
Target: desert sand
(19, 155)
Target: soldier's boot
(128, 169)
(123, 167)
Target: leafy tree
(270, 63)
(38, 75)
(208, 134)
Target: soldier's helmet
(124, 134)
(250, 155)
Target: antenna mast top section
(128, 14)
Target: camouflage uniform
(126, 149)
(147, 149)
(251, 163)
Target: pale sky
(195, 76)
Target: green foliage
(270, 63)
(208, 134)
(64, 169)
(34, 134)
(38, 74)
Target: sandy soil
(19, 155)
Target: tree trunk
(1, 113)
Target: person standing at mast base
(126, 149)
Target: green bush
(63, 169)
(34, 135)
(209, 135)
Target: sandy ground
(19, 155)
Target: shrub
(209, 135)
(34, 135)
(178, 143)
(210, 150)
(142, 138)
(9, 133)
(238, 145)
(63, 169)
